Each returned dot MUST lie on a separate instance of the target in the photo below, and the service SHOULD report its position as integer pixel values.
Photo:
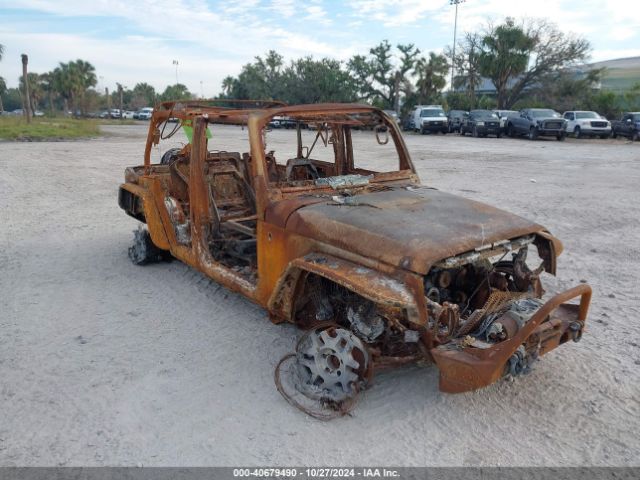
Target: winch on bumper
(466, 363)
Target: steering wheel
(301, 162)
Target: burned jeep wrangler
(327, 226)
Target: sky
(131, 41)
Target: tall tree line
(387, 77)
(70, 87)
(528, 62)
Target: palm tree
(62, 84)
(71, 80)
(46, 83)
(36, 92)
(431, 74)
(227, 85)
(85, 78)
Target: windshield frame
(440, 113)
(258, 123)
(483, 115)
(593, 115)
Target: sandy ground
(105, 363)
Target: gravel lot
(105, 363)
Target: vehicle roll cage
(238, 112)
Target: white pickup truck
(587, 124)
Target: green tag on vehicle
(187, 126)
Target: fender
(152, 216)
(397, 291)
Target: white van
(145, 113)
(430, 118)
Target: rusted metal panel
(410, 229)
(464, 368)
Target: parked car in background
(537, 122)
(113, 113)
(503, 115)
(480, 123)
(393, 114)
(144, 113)
(430, 118)
(274, 122)
(128, 114)
(587, 124)
(407, 122)
(629, 126)
(455, 119)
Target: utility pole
(121, 103)
(455, 31)
(175, 62)
(27, 95)
(106, 93)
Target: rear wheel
(635, 137)
(604, 137)
(143, 251)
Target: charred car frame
(379, 269)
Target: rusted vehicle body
(380, 269)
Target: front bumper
(488, 130)
(596, 131)
(545, 132)
(465, 368)
(435, 127)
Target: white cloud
(285, 8)
(212, 40)
(394, 13)
(202, 38)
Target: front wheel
(577, 132)
(475, 132)
(509, 131)
(499, 135)
(561, 136)
(533, 133)
(635, 136)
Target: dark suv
(535, 122)
(456, 117)
(481, 123)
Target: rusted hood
(412, 229)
